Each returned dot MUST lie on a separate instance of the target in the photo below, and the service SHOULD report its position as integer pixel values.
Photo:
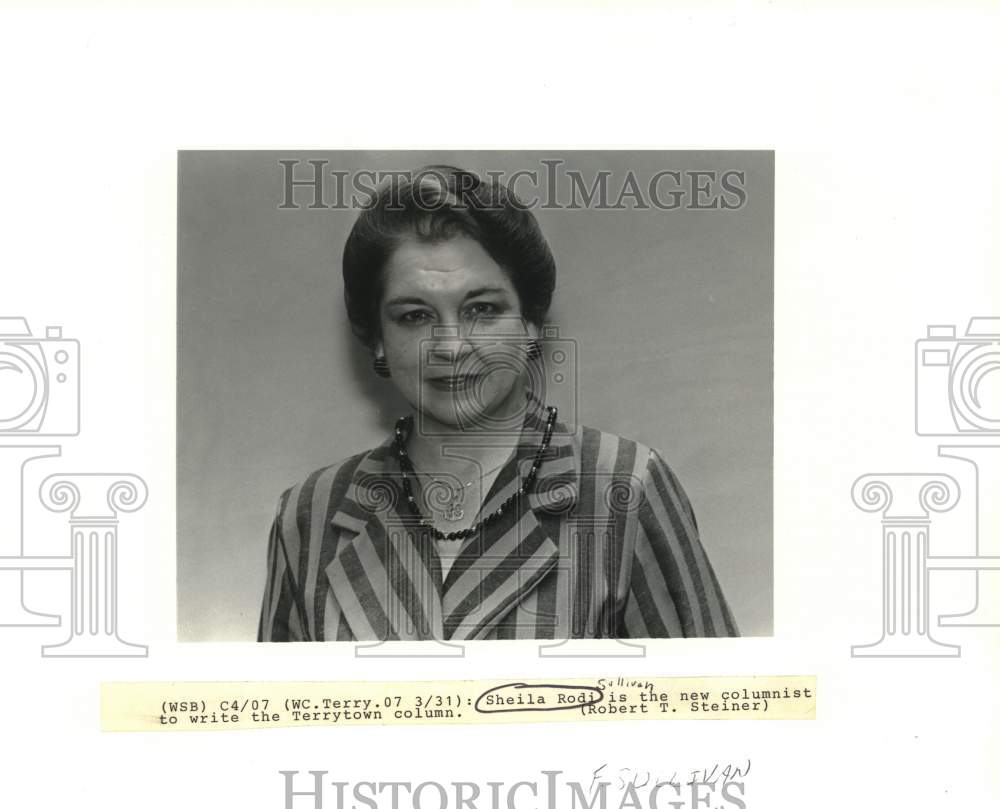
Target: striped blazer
(604, 545)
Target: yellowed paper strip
(187, 706)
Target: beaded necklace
(454, 510)
(406, 471)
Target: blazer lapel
(496, 570)
(386, 574)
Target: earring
(381, 366)
(533, 350)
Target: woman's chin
(460, 410)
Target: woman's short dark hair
(434, 204)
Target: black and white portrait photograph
(474, 395)
(458, 407)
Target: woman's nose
(448, 343)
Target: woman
(482, 516)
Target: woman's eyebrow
(402, 300)
(405, 299)
(485, 291)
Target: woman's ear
(533, 350)
(379, 363)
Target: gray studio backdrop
(670, 311)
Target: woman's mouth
(453, 383)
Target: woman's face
(453, 333)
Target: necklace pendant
(454, 512)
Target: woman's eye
(416, 317)
(483, 309)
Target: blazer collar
(386, 572)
